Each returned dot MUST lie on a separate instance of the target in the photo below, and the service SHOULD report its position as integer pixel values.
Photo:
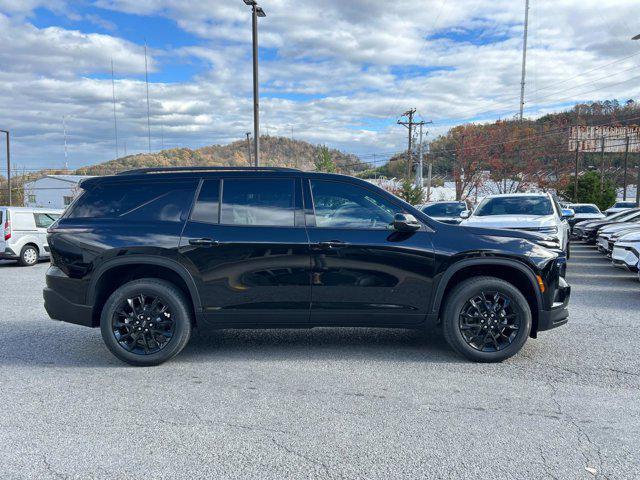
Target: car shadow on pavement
(62, 345)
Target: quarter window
(45, 220)
(258, 202)
(341, 205)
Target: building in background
(52, 191)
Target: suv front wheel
(486, 319)
(146, 322)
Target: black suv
(150, 254)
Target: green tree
(323, 161)
(589, 190)
(410, 193)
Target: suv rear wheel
(146, 322)
(486, 319)
(28, 256)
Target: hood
(633, 236)
(510, 221)
(616, 227)
(599, 224)
(589, 216)
(505, 233)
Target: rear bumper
(59, 308)
(8, 254)
(558, 314)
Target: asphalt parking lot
(325, 403)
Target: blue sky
(341, 77)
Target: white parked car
(619, 207)
(24, 233)
(534, 212)
(584, 212)
(626, 251)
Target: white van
(24, 233)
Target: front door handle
(330, 244)
(204, 242)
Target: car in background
(24, 233)
(619, 207)
(608, 235)
(531, 212)
(583, 212)
(626, 251)
(445, 212)
(588, 231)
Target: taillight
(7, 230)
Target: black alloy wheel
(146, 322)
(143, 324)
(488, 322)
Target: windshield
(453, 209)
(528, 205)
(624, 205)
(584, 208)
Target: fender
(459, 265)
(147, 260)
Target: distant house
(52, 191)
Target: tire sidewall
(177, 304)
(458, 299)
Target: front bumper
(625, 256)
(558, 314)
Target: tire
(119, 311)
(457, 308)
(568, 250)
(28, 256)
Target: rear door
(248, 246)
(363, 271)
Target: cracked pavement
(325, 403)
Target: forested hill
(275, 151)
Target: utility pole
(410, 124)
(524, 56)
(429, 176)
(575, 180)
(602, 165)
(626, 156)
(249, 146)
(6, 132)
(115, 120)
(146, 78)
(419, 182)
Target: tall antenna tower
(115, 120)
(146, 77)
(64, 132)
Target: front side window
(341, 205)
(45, 220)
(514, 206)
(261, 202)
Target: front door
(247, 242)
(363, 271)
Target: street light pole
(256, 11)
(8, 165)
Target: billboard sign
(589, 139)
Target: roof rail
(139, 171)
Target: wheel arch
(512, 271)
(114, 273)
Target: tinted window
(341, 205)
(154, 201)
(44, 220)
(257, 202)
(624, 205)
(584, 209)
(206, 207)
(514, 206)
(445, 209)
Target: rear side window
(268, 202)
(45, 220)
(23, 221)
(206, 209)
(153, 201)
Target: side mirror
(465, 214)
(405, 222)
(568, 213)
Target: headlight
(548, 229)
(549, 243)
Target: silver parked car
(24, 233)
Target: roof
(528, 194)
(31, 209)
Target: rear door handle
(204, 242)
(332, 244)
